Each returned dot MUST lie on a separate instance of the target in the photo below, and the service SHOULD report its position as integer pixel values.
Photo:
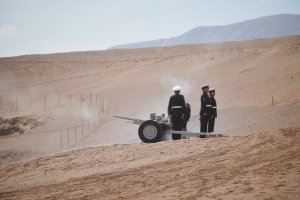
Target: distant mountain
(264, 27)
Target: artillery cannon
(153, 129)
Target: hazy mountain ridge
(274, 26)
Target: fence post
(102, 106)
(61, 139)
(272, 101)
(96, 100)
(68, 137)
(1, 102)
(31, 103)
(81, 100)
(45, 102)
(94, 118)
(98, 116)
(82, 129)
(70, 98)
(75, 134)
(16, 103)
(59, 98)
(90, 99)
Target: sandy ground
(258, 98)
(259, 166)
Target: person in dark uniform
(187, 115)
(205, 109)
(211, 122)
(176, 109)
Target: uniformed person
(176, 109)
(211, 122)
(187, 115)
(205, 110)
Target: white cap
(205, 85)
(212, 89)
(176, 88)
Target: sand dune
(257, 85)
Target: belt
(208, 105)
(177, 107)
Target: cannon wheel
(150, 131)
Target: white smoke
(187, 86)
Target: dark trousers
(211, 124)
(177, 126)
(203, 124)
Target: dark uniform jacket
(213, 106)
(187, 114)
(176, 106)
(205, 110)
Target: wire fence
(67, 136)
(41, 102)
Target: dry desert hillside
(59, 140)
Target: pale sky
(50, 26)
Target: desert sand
(257, 84)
